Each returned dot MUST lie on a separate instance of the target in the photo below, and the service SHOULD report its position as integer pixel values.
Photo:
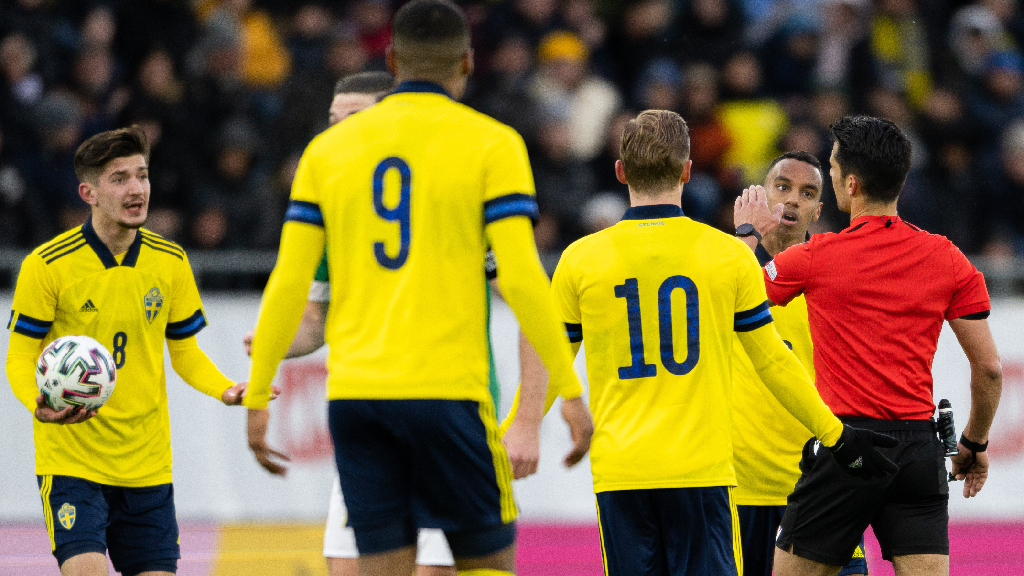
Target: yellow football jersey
(656, 299)
(404, 214)
(73, 285)
(767, 440)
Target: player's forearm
(986, 389)
(787, 380)
(281, 308)
(527, 291)
(196, 368)
(310, 335)
(22, 353)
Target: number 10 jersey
(656, 300)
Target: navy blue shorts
(136, 526)
(408, 464)
(759, 526)
(669, 531)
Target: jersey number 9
(630, 290)
(400, 213)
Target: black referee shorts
(829, 510)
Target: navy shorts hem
(853, 568)
(905, 550)
(481, 542)
(72, 549)
(155, 565)
(380, 539)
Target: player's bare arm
(310, 335)
(975, 338)
(522, 440)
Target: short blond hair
(655, 149)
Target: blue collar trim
(653, 212)
(420, 86)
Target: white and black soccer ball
(76, 371)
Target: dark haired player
(105, 475)
(406, 218)
(767, 440)
(877, 295)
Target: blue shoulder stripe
(31, 327)
(574, 332)
(188, 327)
(752, 319)
(306, 212)
(511, 205)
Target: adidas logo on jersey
(88, 307)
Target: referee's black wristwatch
(747, 229)
(973, 446)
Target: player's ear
(468, 64)
(620, 172)
(817, 213)
(389, 59)
(685, 176)
(87, 193)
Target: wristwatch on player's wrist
(747, 229)
(973, 446)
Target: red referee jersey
(877, 294)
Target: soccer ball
(76, 371)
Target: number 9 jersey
(130, 304)
(656, 300)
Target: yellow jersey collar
(421, 86)
(653, 212)
(101, 250)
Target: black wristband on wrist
(747, 229)
(973, 446)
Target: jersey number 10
(400, 213)
(630, 290)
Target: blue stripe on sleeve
(752, 319)
(574, 332)
(31, 327)
(511, 205)
(305, 212)
(188, 327)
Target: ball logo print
(76, 371)
(66, 515)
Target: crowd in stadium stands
(230, 92)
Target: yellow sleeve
(185, 317)
(33, 311)
(196, 368)
(525, 288)
(302, 246)
(775, 363)
(508, 168)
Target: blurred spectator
(602, 211)
(709, 138)
(789, 58)
(975, 34)
(50, 169)
(23, 222)
(708, 30)
(754, 123)
(372, 19)
(265, 61)
(645, 32)
(503, 90)
(564, 183)
(900, 48)
(21, 87)
(565, 86)
(1004, 200)
(97, 89)
(167, 25)
(172, 176)
(999, 96)
(845, 61)
(660, 86)
(603, 166)
(234, 201)
(529, 19)
(308, 38)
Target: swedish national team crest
(66, 515)
(154, 301)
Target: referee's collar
(104, 254)
(653, 212)
(860, 221)
(421, 86)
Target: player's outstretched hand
(581, 429)
(257, 432)
(247, 342)
(972, 467)
(233, 396)
(69, 415)
(857, 453)
(752, 207)
(522, 442)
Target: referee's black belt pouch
(888, 425)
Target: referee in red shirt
(877, 295)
